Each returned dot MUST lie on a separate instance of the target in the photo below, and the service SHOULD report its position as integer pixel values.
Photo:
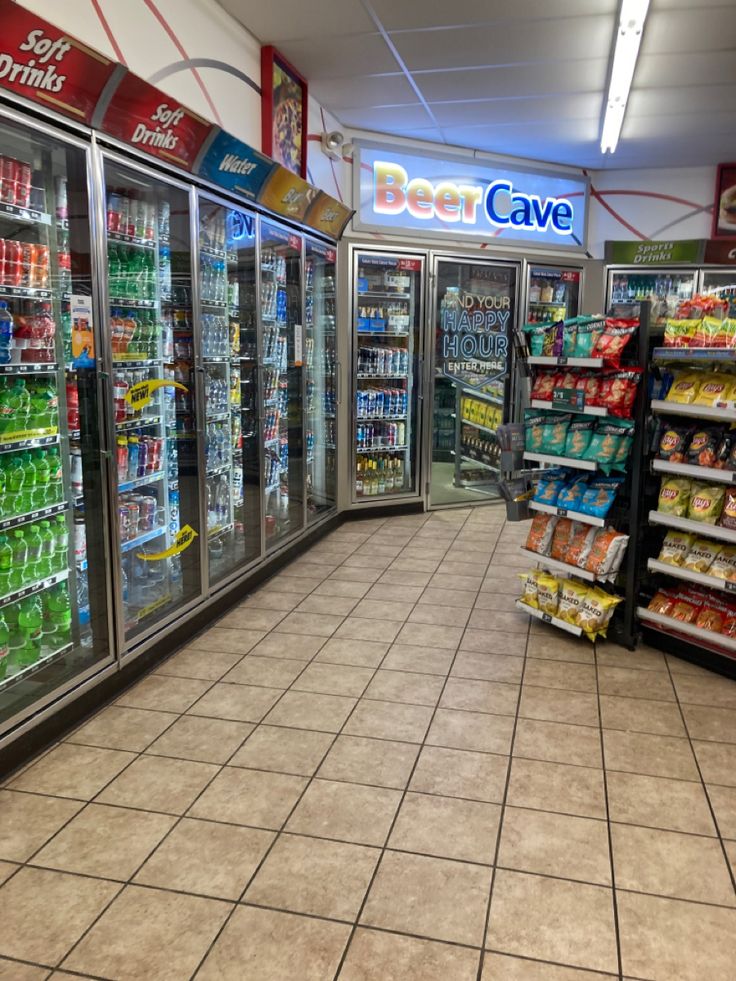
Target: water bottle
(61, 543)
(6, 333)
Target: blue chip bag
(571, 495)
(549, 485)
(599, 496)
(579, 436)
(569, 338)
(536, 334)
(606, 441)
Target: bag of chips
(589, 385)
(579, 435)
(674, 496)
(571, 495)
(708, 333)
(569, 339)
(729, 626)
(529, 590)
(674, 442)
(572, 594)
(554, 432)
(728, 515)
(548, 592)
(566, 379)
(715, 387)
(587, 335)
(685, 387)
(560, 539)
(680, 333)
(534, 430)
(713, 615)
(624, 450)
(552, 344)
(580, 545)
(596, 611)
(610, 344)
(535, 335)
(599, 496)
(662, 602)
(701, 555)
(706, 502)
(540, 533)
(725, 448)
(676, 546)
(685, 607)
(607, 553)
(724, 564)
(703, 446)
(605, 442)
(617, 392)
(549, 485)
(544, 382)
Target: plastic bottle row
(27, 406)
(213, 278)
(217, 445)
(138, 456)
(219, 498)
(275, 348)
(132, 272)
(133, 215)
(376, 476)
(27, 338)
(33, 552)
(30, 480)
(34, 628)
(135, 332)
(215, 336)
(274, 303)
(24, 264)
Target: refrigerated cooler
(553, 293)
(387, 320)
(663, 288)
(722, 282)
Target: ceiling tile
(410, 14)
(680, 100)
(694, 29)
(288, 20)
(363, 90)
(512, 111)
(553, 77)
(689, 68)
(324, 57)
(391, 119)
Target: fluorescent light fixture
(628, 38)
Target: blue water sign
(235, 166)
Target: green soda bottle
(4, 513)
(4, 646)
(42, 490)
(34, 543)
(56, 486)
(61, 543)
(6, 564)
(6, 410)
(30, 623)
(60, 614)
(48, 550)
(28, 494)
(19, 402)
(19, 573)
(16, 476)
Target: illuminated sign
(463, 196)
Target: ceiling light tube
(626, 51)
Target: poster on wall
(724, 207)
(284, 112)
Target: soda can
(22, 184)
(360, 436)
(27, 257)
(148, 507)
(124, 522)
(401, 434)
(7, 180)
(134, 516)
(114, 212)
(41, 267)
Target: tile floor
(375, 769)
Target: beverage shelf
(143, 423)
(484, 396)
(217, 253)
(381, 333)
(26, 671)
(699, 527)
(216, 359)
(218, 304)
(219, 470)
(132, 303)
(122, 238)
(221, 530)
(479, 463)
(22, 519)
(364, 375)
(550, 362)
(29, 216)
(26, 368)
(141, 539)
(401, 418)
(702, 637)
(385, 296)
(476, 425)
(570, 628)
(589, 410)
(561, 461)
(694, 354)
(586, 519)
(29, 443)
(381, 449)
(144, 481)
(571, 570)
(35, 587)
(699, 473)
(719, 413)
(218, 416)
(701, 578)
(24, 292)
(136, 362)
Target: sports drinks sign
(462, 197)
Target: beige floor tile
(378, 762)
(730, 847)
(551, 645)
(657, 756)
(201, 739)
(723, 800)
(397, 898)
(230, 640)
(238, 703)
(558, 705)
(642, 659)
(72, 771)
(480, 696)
(293, 585)
(493, 642)
(444, 616)
(499, 620)
(360, 653)
(164, 693)
(157, 783)
(449, 580)
(209, 859)
(717, 762)
(499, 967)
(471, 730)
(555, 844)
(463, 599)
(108, 842)
(447, 827)
(401, 577)
(423, 660)
(264, 945)
(670, 939)
(388, 591)
(365, 558)
(333, 605)
(360, 628)
(430, 635)
(202, 665)
(27, 821)
(149, 933)
(389, 720)
(404, 686)
(333, 679)
(122, 728)
(488, 667)
(641, 715)
(312, 624)
(557, 742)
(459, 773)
(659, 802)
(560, 674)
(631, 683)
(238, 796)
(308, 710)
(267, 600)
(710, 723)
(336, 587)
(665, 863)
(347, 573)
(289, 647)
(307, 875)
(410, 564)
(345, 812)
(303, 568)
(553, 919)
(374, 954)
(557, 787)
(381, 609)
(496, 581)
(296, 751)
(15, 971)
(252, 618)
(270, 672)
(711, 690)
(45, 912)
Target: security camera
(332, 144)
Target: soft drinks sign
(40, 62)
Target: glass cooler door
(552, 294)
(664, 288)
(227, 317)
(321, 382)
(282, 359)
(54, 626)
(150, 334)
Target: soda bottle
(6, 564)
(19, 573)
(114, 270)
(56, 489)
(30, 623)
(18, 404)
(122, 458)
(83, 613)
(48, 549)
(14, 478)
(133, 445)
(6, 333)
(28, 494)
(34, 543)
(61, 543)
(42, 490)
(60, 615)
(4, 646)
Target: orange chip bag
(662, 602)
(712, 615)
(605, 552)
(685, 607)
(540, 533)
(580, 545)
(561, 539)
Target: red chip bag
(686, 606)
(713, 615)
(544, 382)
(662, 602)
(617, 392)
(612, 341)
(588, 384)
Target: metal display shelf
(34, 587)
(571, 570)
(670, 626)
(43, 662)
(699, 527)
(485, 396)
(477, 425)
(30, 443)
(142, 423)
(25, 292)
(21, 519)
(701, 578)
(30, 216)
(28, 368)
(381, 449)
(122, 238)
(694, 354)
(561, 461)
(143, 481)
(365, 375)
(479, 463)
(586, 519)
(570, 628)
(373, 418)
(550, 362)
(141, 539)
(589, 410)
(719, 413)
(699, 473)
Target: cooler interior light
(626, 51)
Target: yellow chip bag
(596, 611)
(684, 388)
(548, 593)
(714, 388)
(676, 546)
(701, 556)
(724, 565)
(706, 502)
(572, 594)
(674, 496)
(529, 592)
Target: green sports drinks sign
(655, 253)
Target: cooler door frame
(673, 269)
(355, 250)
(49, 703)
(530, 264)
(704, 271)
(127, 651)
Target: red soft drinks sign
(42, 63)
(149, 120)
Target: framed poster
(284, 96)
(724, 208)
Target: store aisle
(319, 786)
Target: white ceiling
(506, 76)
